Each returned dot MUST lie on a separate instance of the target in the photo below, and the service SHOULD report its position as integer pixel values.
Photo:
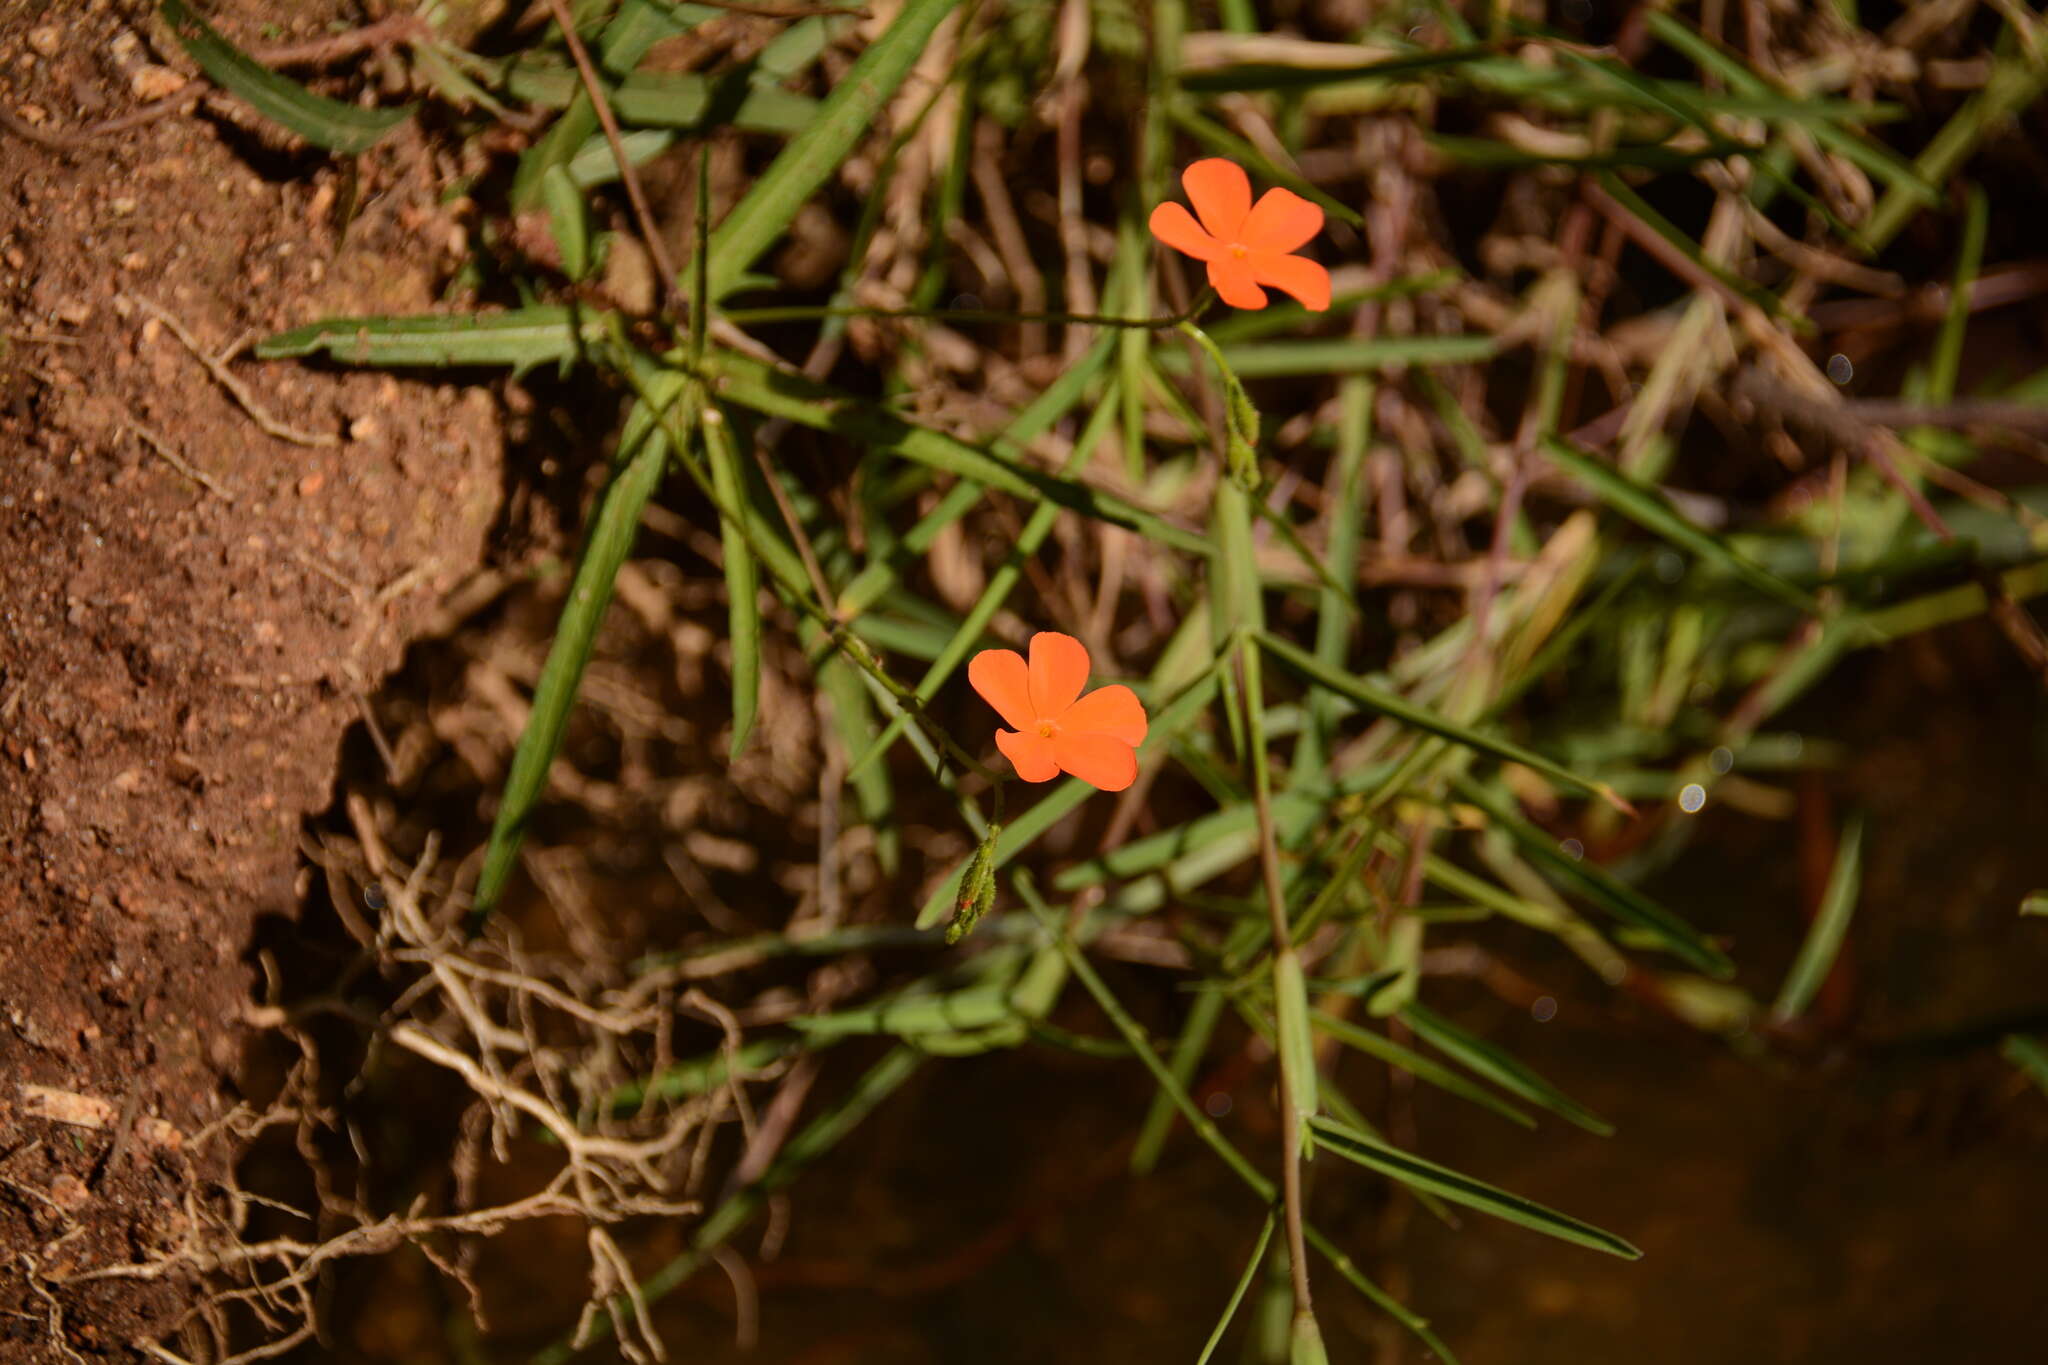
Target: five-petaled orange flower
(1056, 729)
(1245, 244)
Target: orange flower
(1245, 244)
(1057, 729)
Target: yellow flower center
(1045, 729)
(1239, 251)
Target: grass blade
(1034, 420)
(594, 163)
(1418, 1066)
(1297, 1040)
(1830, 924)
(521, 338)
(1195, 1034)
(321, 121)
(1206, 1129)
(1335, 610)
(1501, 1067)
(758, 221)
(1413, 1170)
(1344, 355)
(742, 577)
(1244, 1282)
(568, 220)
(822, 408)
(680, 100)
(616, 521)
(1614, 896)
(1649, 510)
(1315, 671)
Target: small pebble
(155, 82)
(68, 1192)
(46, 40)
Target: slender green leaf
(644, 450)
(1614, 896)
(1620, 192)
(1830, 925)
(670, 99)
(1947, 361)
(1297, 1040)
(1343, 355)
(568, 220)
(1195, 1033)
(1205, 1128)
(1032, 421)
(775, 394)
(1869, 156)
(909, 1016)
(321, 121)
(521, 338)
(594, 163)
(697, 1076)
(1413, 1170)
(2017, 80)
(742, 576)
(1244, 1282)
(1418, 1066)
(1386, 703)
(1651, 511)
(846, 116)
(1501, 1067)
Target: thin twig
(217, 367)
(376, 37)
(177, 462)
(671, 281)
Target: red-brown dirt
(180, 651)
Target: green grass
(1456, 600)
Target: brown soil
(179, 651)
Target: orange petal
(1296, 275)
(1030, 753)
(1281, 221)
(1114, 711)
(1004, 683)
(1059, 670)
(1098, 760)
(1176, 227)
(1232, 276)
(1222, 195)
